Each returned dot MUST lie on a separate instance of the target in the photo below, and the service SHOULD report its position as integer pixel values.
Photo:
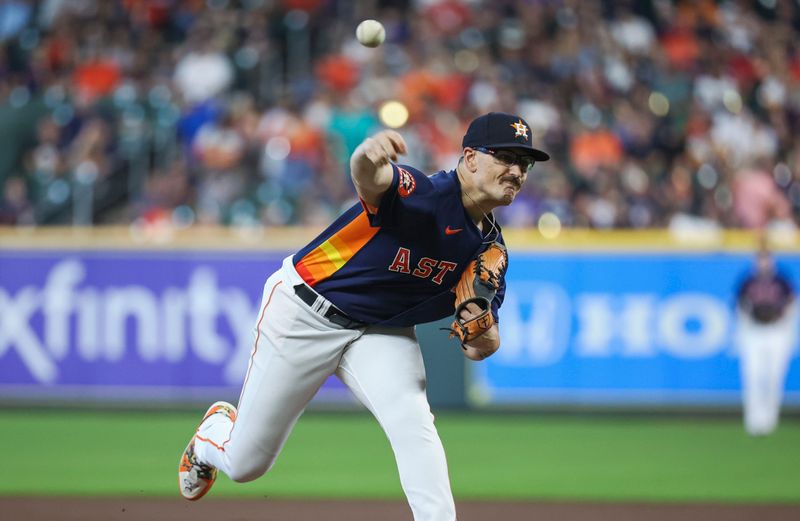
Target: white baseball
(370, 33)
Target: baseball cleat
(195, 478)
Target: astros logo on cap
(521, 129)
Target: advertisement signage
(577, 328)
(621, 328)
(121, 325)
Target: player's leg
(787, 344)
(779, 343)
(295, 350)
(770, 386)
(385, 371)
(751, 364)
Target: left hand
(471, 310)
(485, 345)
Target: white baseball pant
(296, 349)
(765, 351)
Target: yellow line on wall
(294, 238)
(156, 238)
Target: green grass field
(347, 456)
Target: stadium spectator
(656, 112)
(15, 207)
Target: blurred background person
(766, 336)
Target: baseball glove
(479, 284)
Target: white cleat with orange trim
(195, 478)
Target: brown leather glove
(479, 284)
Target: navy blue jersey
(397, 264)
(765, 297)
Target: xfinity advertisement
(124, 325)
(577, 328)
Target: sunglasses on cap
(508, 158)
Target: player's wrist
(478, 353)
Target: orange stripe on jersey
(311, 269)
(341, 247)
(327, 258)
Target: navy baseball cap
(500, 130)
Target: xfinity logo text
(63, 316)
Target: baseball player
(413, 250)
(766, 327)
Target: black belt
(334, 314)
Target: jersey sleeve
(786, 286)
(411, 197)
(741, 292)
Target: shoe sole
(211, 410)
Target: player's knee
(248, 469)
(247, 473)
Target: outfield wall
(621, 328)
(593, 319)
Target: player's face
(503, 173)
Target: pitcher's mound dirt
(138, 509)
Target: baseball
(370, 33)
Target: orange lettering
(444, 267)
(402, 261)
(424, 268)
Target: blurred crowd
(658, 113)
